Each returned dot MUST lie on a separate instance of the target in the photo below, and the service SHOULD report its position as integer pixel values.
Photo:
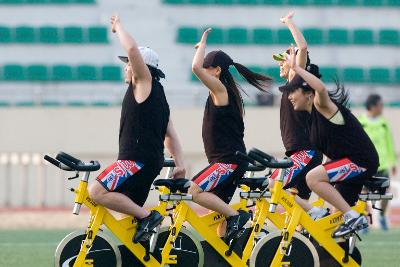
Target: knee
(316, 176)
(96, 191)
(311, 179)
(194, 190)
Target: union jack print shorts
(342, 169)
(118, 172)
(214, 175)
(300, 160)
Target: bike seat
(182, 185)
(254, 183)
(377, 184)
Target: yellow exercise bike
(188, 225)
(93, 247)
(291, 248)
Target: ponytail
(221, 59)
(261, 82)
(339, 95)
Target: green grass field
(35, 248)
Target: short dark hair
(372, 100)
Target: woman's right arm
(322, 100)
(211, 82)
(139, 68)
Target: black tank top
(223, 131)
(343, 141)
(143, 126)
(294, 130)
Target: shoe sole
(358, 228)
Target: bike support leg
(94, 226)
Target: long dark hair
(223, 60)
(339, 95)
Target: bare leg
(318, 182)
(116, 201)
(302, 202)
(210, 201)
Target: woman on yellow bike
(223, 131)
(292, 124)
(337, 133)
(145, 126)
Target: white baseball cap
(149, 57)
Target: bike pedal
(240, 233)
(89, 263)
(172, 259)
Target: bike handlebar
(67, 162)
(77, 164)
(169, 163)
(57, 163)
(253, 165)
(269, 161)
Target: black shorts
(131, 178)
(220, 179)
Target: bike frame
(320, 230)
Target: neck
(371, 115)
(309, 106)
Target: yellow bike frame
(320, 230)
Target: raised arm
(322, 100)
(139, 69)
(173, 145)
(301, 43)
(210, 81)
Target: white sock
(316, 212)
(351, 214)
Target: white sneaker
(318, 213)
(351, 225)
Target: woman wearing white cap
(145, 127)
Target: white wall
(92, 134)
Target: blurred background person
(377, 128)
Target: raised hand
(292, 57)
(203, 38)
(288, 17)
(114, 22)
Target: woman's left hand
(203, 38)
(114, 22)
(287, 18)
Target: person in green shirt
(377, 128)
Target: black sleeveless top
(293, 124)
(143, 126)
(223, 131)
(343, 141)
